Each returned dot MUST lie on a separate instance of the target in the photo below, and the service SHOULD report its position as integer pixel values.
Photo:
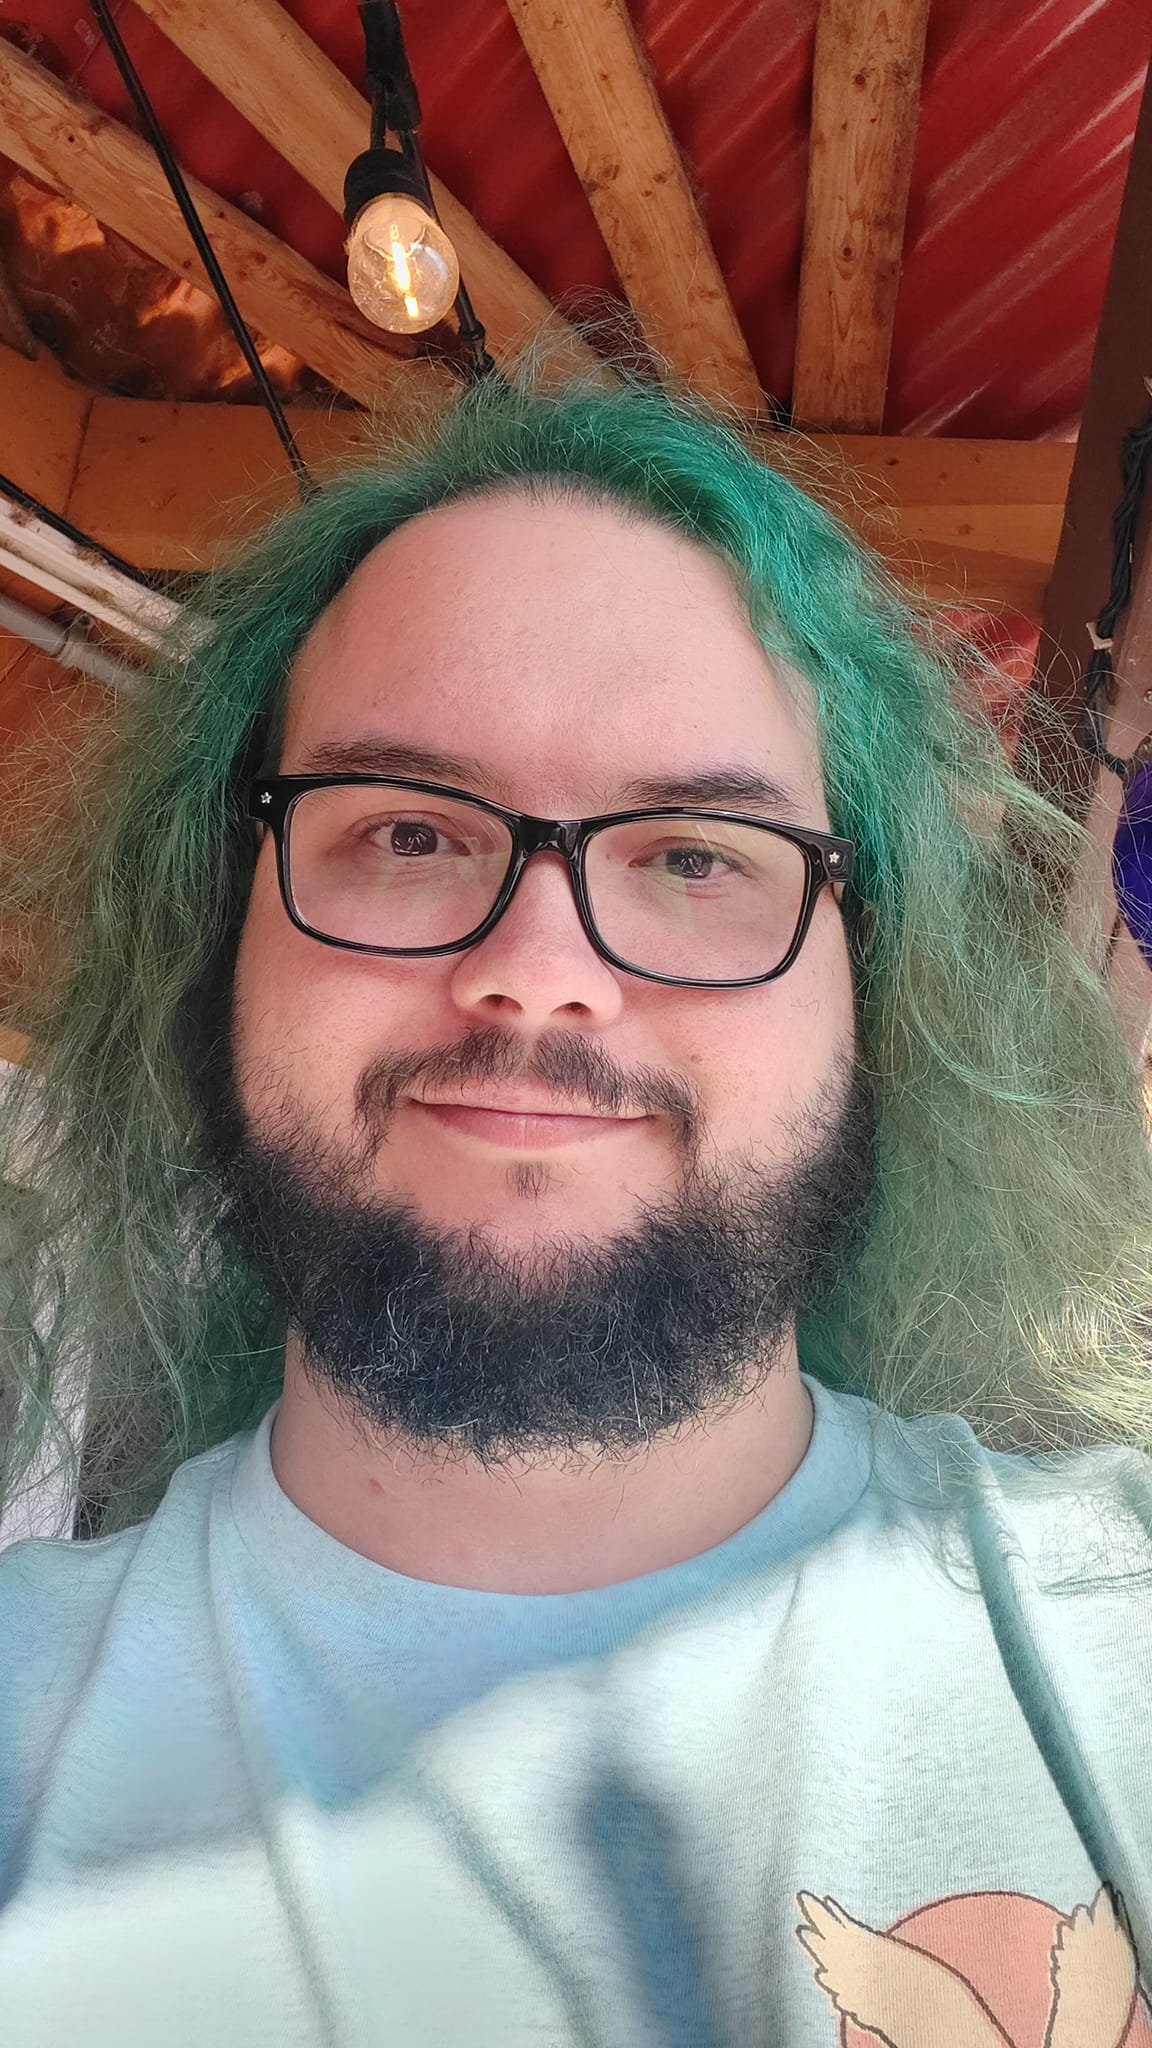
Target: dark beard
(583, 1346)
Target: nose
(538, 963)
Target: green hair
(1007, 1274)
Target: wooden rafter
(865, 105)
(592, 70)
(53, 133)
(175, 486)
(293, 95)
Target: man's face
(558, 654)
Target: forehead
(563, 647)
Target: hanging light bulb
(402, 269)
(403, 272)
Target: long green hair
(1007, 1274)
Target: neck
(534, 1528)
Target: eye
(691, 862)
(412, 835)
(409, 837)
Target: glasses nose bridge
(549, 835)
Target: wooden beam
(178, 486)
(53, 133)
(930, 473)
(588, 60)
(865, 105)
(43, 420)
(1116, 401)
(1092, 911)
(964, 522)
(293, 95)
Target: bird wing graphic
(1093, 1969)
(906, 1998)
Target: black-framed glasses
(698, 898)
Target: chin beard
(576, 1350)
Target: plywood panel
(43, 415)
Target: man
(560, 1050)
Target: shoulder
(1073, 1521)
(55, 1600)
(56, 1597)
(55, 1593)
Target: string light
(403, 272)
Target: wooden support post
(1050, 752)
(865, 105)
(1092, 910)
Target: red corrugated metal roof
(1026, 122)
(1027, 116)
(1025, 125)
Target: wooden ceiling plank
(267, 67)
(178, 487)
(59, 137)
(926, 470)
(43, 417)
(964, 516)
(594, 76)
(865, 105)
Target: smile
(520, 1129)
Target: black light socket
(376, 172)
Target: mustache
(574, 1068)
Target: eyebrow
(723, 787)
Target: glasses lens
(696, 897)
(393, 867)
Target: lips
(522, 1127)
(517, 1104)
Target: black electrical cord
(204, 247)
(79, 539)
(1099, 673)
(387, 73)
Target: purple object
(1132, 859)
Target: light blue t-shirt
(818, 1787)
